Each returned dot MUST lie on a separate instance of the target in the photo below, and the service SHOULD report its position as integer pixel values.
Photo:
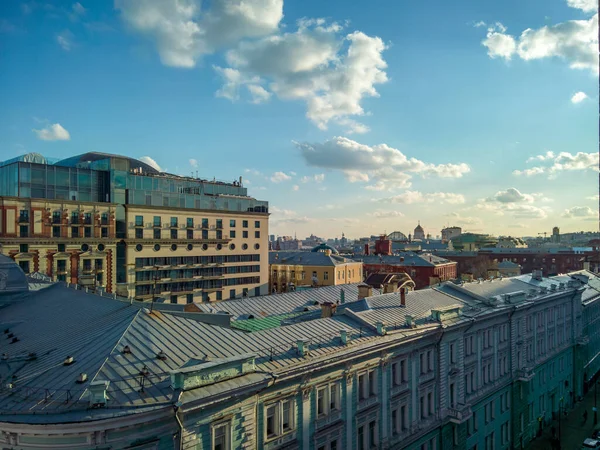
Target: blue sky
(356, 117)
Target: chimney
(327, 252)
(366, 249)
(97, 393)
(410, 322)
(327, 309)
(403, 297)
(537, 274)
(364, 290)
(302, 347)
(344, 337)
(380, 328)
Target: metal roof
(312, 258)
(406, 259)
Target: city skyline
(353, 126)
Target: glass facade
(95, 177)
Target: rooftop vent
(68, 361)
(161, 355)
(4, 356)
(82, 378)
(410, 321)
(552, 287)
(380, 328)
(537, 274)
(344, 337)
(302, 345)
(31, 356)
(126, 350)
(98, 393)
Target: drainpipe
(176, 407)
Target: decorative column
(49, 262)
(306, 418)
(349, 412)
(36, 260)
(109, 271)
(74, 267)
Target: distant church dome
(419, 232)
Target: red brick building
(424, 269)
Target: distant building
(511, 242)
(419, 232)
(424, 269)
(473, 241)
(556, 235)
(322, 266)
(450, 232)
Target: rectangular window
(204, 223)
(325, 275)
(367, 385)
(173, 234)
(156, 233)
(232, 234)
(173, 221)
(452, 351)
(489, 441)
(56, 217)
(244, 234)
(219, 223)
(279, 418)
(74, 232)
(55, 232)
(231, 293)
(190, 222)
(156, 222)
(221, 436)
(139, 221)
(204, 234)
(139, 233)
(87, 232)
(257, 234)
(189, 234)
(23, 248)
(232, 223)
(257, 224)
(245, 223)
(61, 248)
(452, 394)
(104, 232)
(24, 265)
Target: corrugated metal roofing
(307, 259)
(406, 259)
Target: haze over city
(346, 117)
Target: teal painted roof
(263, 323)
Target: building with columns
(110, 221)
(476, 365)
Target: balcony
(285, 440)
(328, 419)
(583, 340)
(156, 225)
(525, 374)
(459, 414)
(139, 223)
(205, 225)
(367, 402)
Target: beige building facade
(72, 242)
(184, 256)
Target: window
(325, 275)
(452, 352)
(469, 345)
(279, 418)
(74, 232)
(219, 223)
(156, 222)
(231, 293)
(399, 372)
(23, 248)
(139, 233)
(189, 298)
(232, 234)
(232, 223)
(221, 436)
(257, 224)
(190, 222)
(489, 441)
(489, 412)
(244, 234)
(204, 234)
(23, 231)
(472, 426)
(157, 233)
(75, 217)
(367, 385)
(173, 221)
(333, 444)
(104, 232)
(219, 234)
(55, 232)
(173, 234)
(257, 234)
(173, 299)
(189, 234)
(205, 223)
(62, 248)
(139, 221)
(24, 265)
(367, 436)
(56, 217)
(504, 433)
(452, 394)
(245, 223)
(87, 232)
(328, 399)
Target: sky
(360, 117)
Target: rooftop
(406, 259)
(312, 258)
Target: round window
(231, 246)
(138, 247)
(219, 246)
(256, 246)
(204, 246)
(245, 246)
(100, 247)
(190, 246)
(156, 247)
(85, 248)
(173, 247)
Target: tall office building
(112, 221)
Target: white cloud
(150, 162)
(54, 132)
(587, 6)
(464, 220)
(594, 197)
(409, 197)
(77, 11)
(284, 216)
(545, 157)
(581, 212)
(65, 40)
(578, 97)
(479, 24)
(295, 187)
(278, 177)
(193, 163)
(529, 172)
(387, 167)
(330, 72)
(317, 178)
(381, 214)
(499, 44)
(575, 41)
(511, 195)
(259, 94)
(183, 33)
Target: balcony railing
(525, 374)
(23, 218)
(459, 413)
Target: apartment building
(481, 365)
(111, 221)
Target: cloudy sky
(358, 117)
